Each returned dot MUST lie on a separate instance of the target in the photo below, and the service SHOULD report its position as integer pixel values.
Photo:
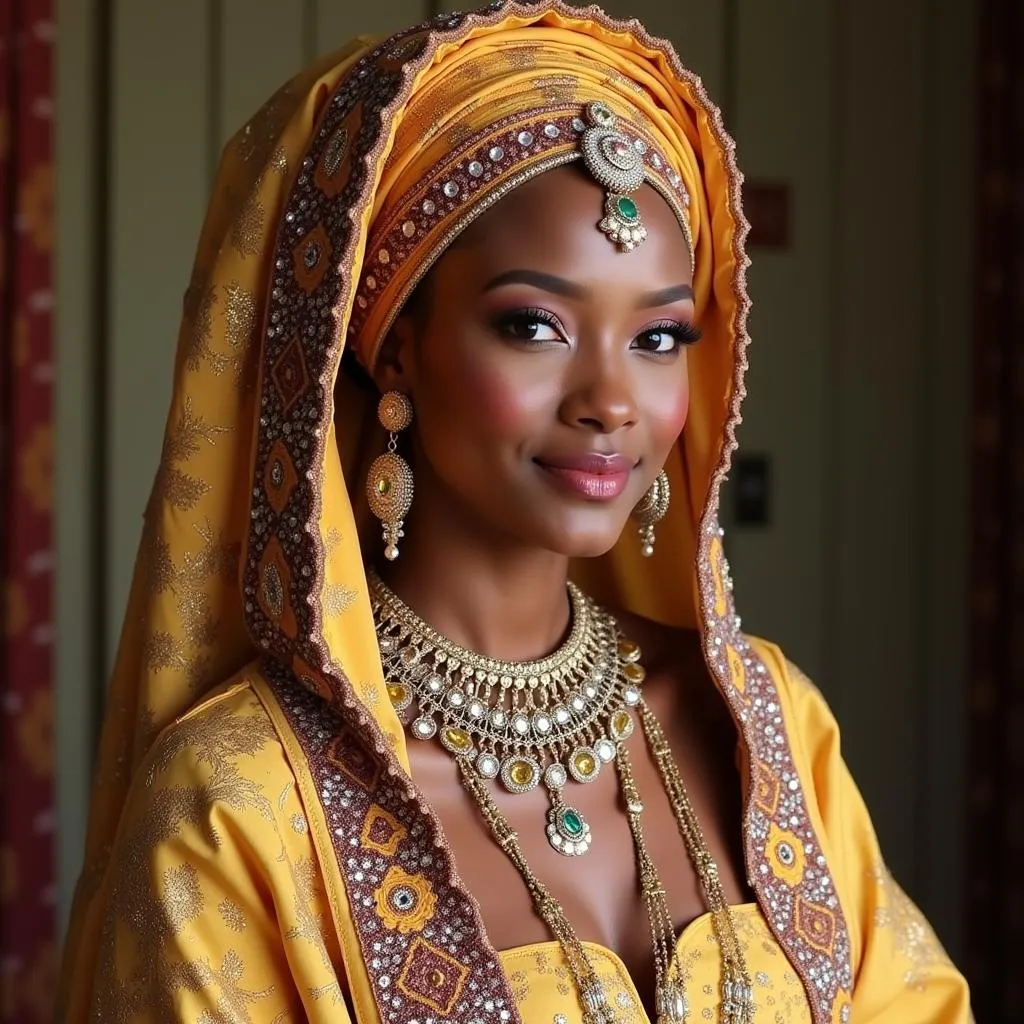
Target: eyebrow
(546, 282)
(665, 297)
(560, 286)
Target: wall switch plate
(751, 488)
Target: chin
(584, 543)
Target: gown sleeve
(214, 909)
(901, 973)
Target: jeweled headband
(482, 132)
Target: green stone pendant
(621, 221)
(626, 209)
(567, 830)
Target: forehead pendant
(615, 163)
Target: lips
(595, 476)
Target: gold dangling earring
(651, 509)
(389, 486)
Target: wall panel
(159, 166)
(337, 21)
(697, 30)
(873, 602)
(261, 46)
(783, 128)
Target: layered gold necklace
(542, 723)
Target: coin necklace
(544, 721)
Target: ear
(395, 364)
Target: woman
(369, 756)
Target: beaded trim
(284, 561)
(475, 176)
(420, 932)
(786, 865)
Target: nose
(599, 396)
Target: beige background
(859, 385)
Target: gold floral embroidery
(782, 1003)
(257, 143)
(216, 736)
(519, 982)
(542, 965)
(232, 915)
(181, 443)
(308, 924)
(135, 971)
(240, 317)
(188, 581)
(545, 966)
(247, 230)
(912, 936)
(285, 793)
(337, 597)
(234, 1000)
(405, 902)
(333, 989)
(279, 161)
(182, 896)
(197, 312)
(332, 539)
(369, 694)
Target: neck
(497, 598)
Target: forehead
(551, 224)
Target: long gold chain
(599, 669)
(591, 992)
(737, 992)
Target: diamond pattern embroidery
(431, 976)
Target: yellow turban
(512, 105)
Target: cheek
(500, 399)
(667, 412)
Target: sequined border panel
(418, 930)
(785, 860)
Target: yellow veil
(251, 544)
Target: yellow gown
(249, 838)
(223, 902)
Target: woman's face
(547, 369)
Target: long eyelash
(530, 314)
(534, 313)
(688, 334)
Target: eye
(665, 338)
(535, 326)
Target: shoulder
(223, 754)
(804, 706)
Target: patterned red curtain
(27, 856)
(995, 842)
